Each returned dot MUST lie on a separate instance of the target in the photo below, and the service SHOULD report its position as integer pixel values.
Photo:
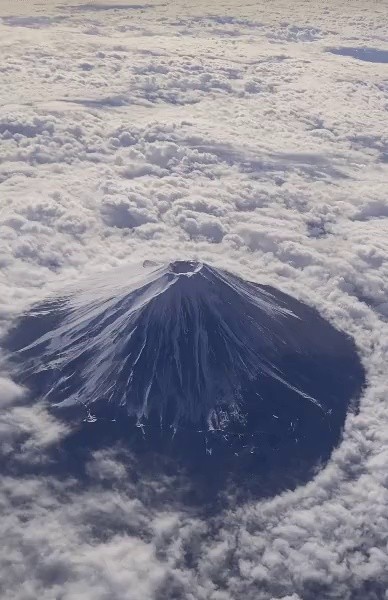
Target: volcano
(193, 364)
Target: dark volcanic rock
(230, 382)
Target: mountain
(193, 361)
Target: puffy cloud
(128, 212)
(230, 135)
(27, 431)
(10, 392)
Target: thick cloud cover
(250, 136)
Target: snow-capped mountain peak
(184, 344)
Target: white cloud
(227, 133)
(27, 431)
(10, 392)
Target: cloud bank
(246, 136)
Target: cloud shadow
(372, 55)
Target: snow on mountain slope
(186, 346)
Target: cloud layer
(249, 137)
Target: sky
(250, 136)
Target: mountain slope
(187, 350)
